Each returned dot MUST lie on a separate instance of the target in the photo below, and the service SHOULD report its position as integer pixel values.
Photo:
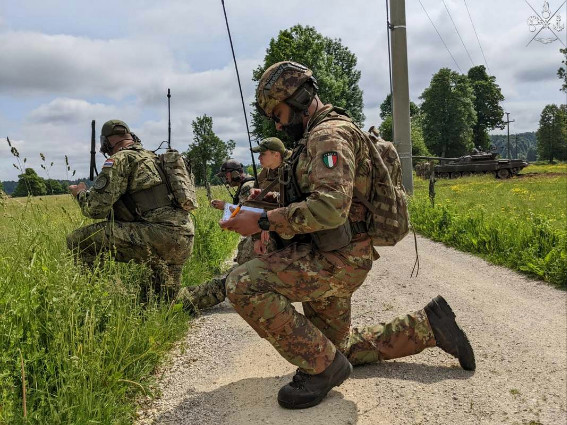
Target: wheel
(515, 171)
(443, 175)
(455, 175)
(467, 173)
(503, 173)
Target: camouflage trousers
(263, 289)
(163, 248)
(213, 292)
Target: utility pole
(508, 123)
(400, 92)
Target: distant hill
(526, 145)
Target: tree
(418, 147)
(386, 108)
(448, 114)
(562, 71)
(487, 100)
(54, 187)
(333, 65)
(552, 133)
(207, 152)
(30, 183)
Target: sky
(65, 63)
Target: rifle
(93, 169)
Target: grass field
(76, 346)
(520, 222)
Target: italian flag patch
(330, 159)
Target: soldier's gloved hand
(245, 223)
(218, 204)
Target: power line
(479, 45)
(458, 33)
(443, 41)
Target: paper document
(227, 212)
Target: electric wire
(443, 41)
(477, 39)
(458, 33)
(241, 95)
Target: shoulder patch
(101, 182)
(108, 163)
(330, 159)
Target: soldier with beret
(272, 152)
(329, 254)
(140, 223)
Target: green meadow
(76, 345)
(519, 223)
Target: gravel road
(223, 373)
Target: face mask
(295, 127)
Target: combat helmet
(233, 167)
(285, 81)
(111, 128)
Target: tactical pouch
(333, 239)
(122, 212)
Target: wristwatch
(263, 222)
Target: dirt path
(517, 326)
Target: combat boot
(203, 296)
(448, 334)
(308, 390)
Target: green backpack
(387, 219)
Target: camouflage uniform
(162, 237)
(213, 292)
(334, 160)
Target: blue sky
(64, 63)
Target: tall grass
(76, 345)
(520, 223)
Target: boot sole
(465, 352)
(318, 400)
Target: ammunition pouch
(333, 239)
(339, 237)
(121, 212)
(131, 206)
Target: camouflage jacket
(334, 160)
(128, 171)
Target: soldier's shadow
(254, 401)
(409, 371)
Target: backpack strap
(236, 197)
(360, 197)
